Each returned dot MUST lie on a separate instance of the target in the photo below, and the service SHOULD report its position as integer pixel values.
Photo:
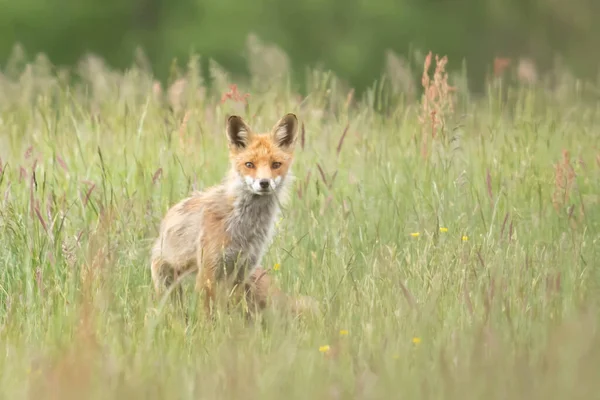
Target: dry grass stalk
(436, 102)
(234, 95)
(564, 178)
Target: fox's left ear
(285, 131)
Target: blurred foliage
(350, 37)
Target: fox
(221, 234)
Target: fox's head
(261, 161)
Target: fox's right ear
(237, 132)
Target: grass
(453, 254)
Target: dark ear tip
(292, 119)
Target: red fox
(222, 233)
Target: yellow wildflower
(343, 332)
(415, 234)
(465, 238)
(416, 340)
(443, 230)
(277, 266)
(324, 349)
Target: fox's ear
(237, 132)
(285, 131)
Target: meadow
(450, 239)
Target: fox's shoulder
(214, 199)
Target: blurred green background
(349, 37)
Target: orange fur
(222, 232)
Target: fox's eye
(276, 165)
(249, 165)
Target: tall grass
(450, 241)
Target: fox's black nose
(264, 183)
